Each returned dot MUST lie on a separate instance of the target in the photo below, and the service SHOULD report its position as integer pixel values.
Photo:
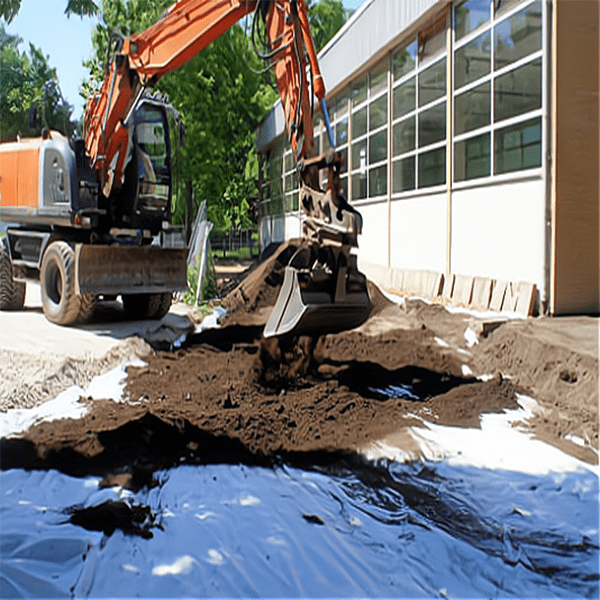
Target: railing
(240, 244)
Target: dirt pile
(407, 364)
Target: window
(404, 136)
(378, 146)
(518, 35)
(404, 98)
(369, 131)
(432, 83)
(497, 76)
(432, 41)
(472, 158)
(359, 122)
(518, 91)
(378, 112)
(272, 191)
(359, 91)
(359, 154)
(432, 167)
(472, 60)
(518, 147)
(469, 15)
(432, 125)
(403, 174)
(378, 181)
(404, 60)
(472, 109)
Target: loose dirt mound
(405, 365)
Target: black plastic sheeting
(344, 528)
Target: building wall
(499, 231)
(418, 233)
(441, 111)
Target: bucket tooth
(299, 312)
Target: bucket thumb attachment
(301, 312)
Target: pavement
(29, 332)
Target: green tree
(326, 18)
(25, 80)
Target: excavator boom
(324, 289)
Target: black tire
(164, 305)
(88, 305)
(12, 293)
(60, 300)
(147, 306)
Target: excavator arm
(322, 288)
(183, 31)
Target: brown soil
(338, 392)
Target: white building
(471, 135)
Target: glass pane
(378, 112)
(325, 138)
(359, 90)
(378, 78)
(472, 158)
(341, 132)
(378, 181)
(290, 182)
(432, 82)
(403, 174)
(469, 15)
(359, 155)
(378, 147)
(432, 167)
(518, 147)
(518, 91)
(503, 6)
(404, 136)
(404, 98)
(472, 109)
(344, 153)
(318, 144)
(341, 104)
(472, 61)
(344, 184)
(432, 125)
(359, 186)
(432, 41)
(289, 161)
(518, 35)
(276, 187)
(359, 122)
(404, 60)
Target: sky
(67, 41)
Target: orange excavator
(88, 212)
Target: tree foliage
(221, 102)
(326, 19)
(220, 98)
(24, 78)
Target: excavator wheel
(147, 306)
(12, 293)
(61, 302)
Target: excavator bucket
(301, 312)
